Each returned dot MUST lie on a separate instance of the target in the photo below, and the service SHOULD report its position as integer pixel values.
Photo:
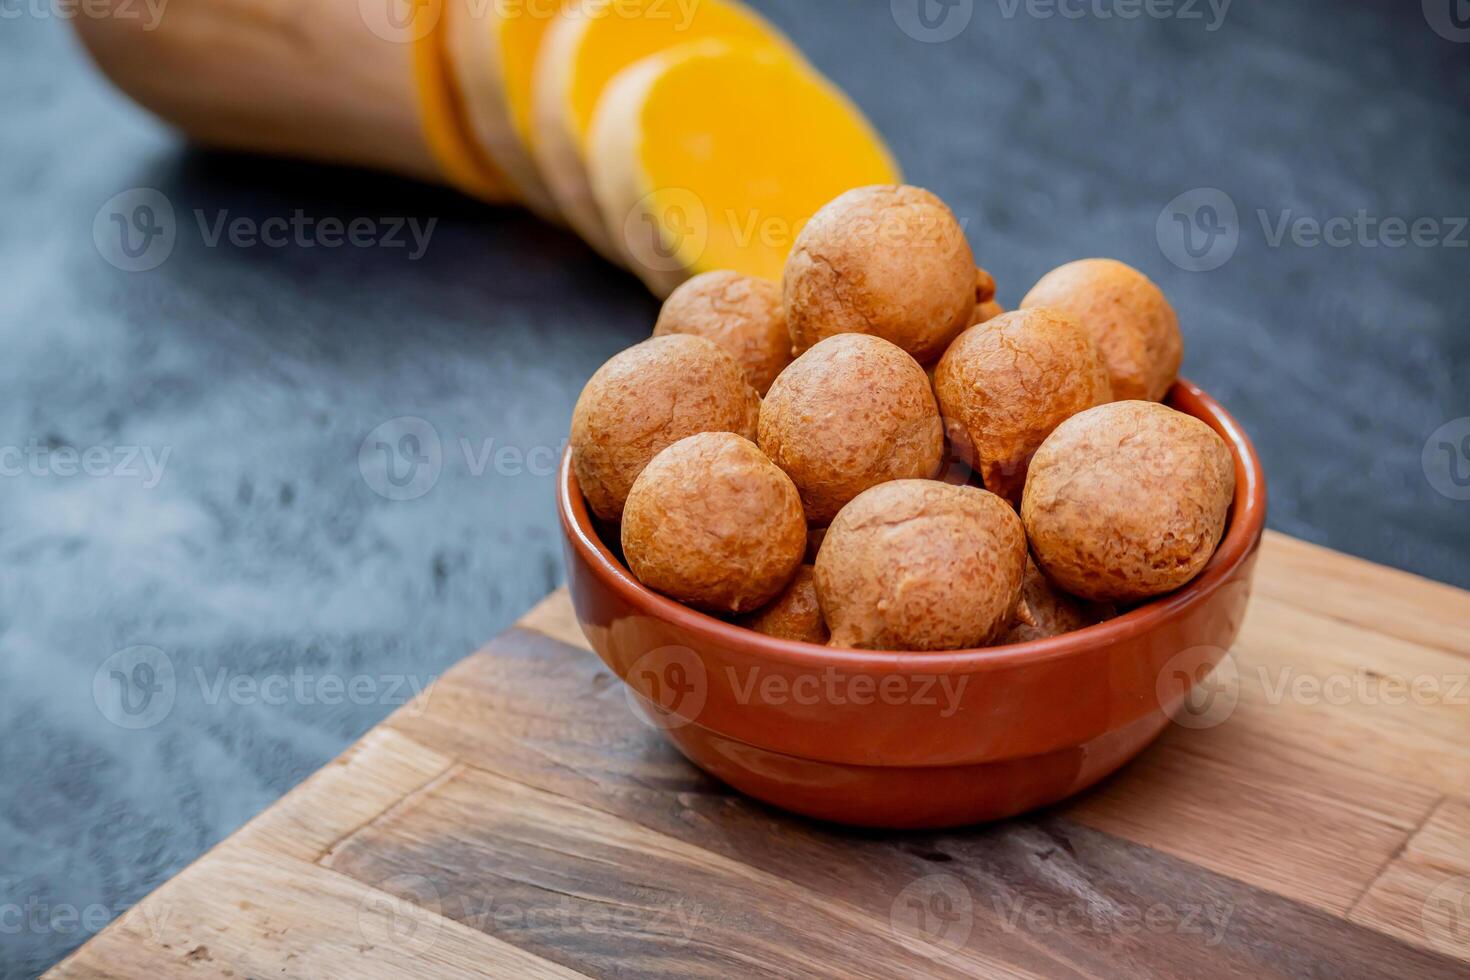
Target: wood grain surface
(520, 821)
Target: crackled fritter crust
(743, 314)
(1127, 500)
(891, 261)
(921, 565)
(650, 396)
(794, 614)
(852, 412)
(1010, 382)
(711, 522)
(1134, 327)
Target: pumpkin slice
(492, 56)
(714, 155)
(442, 111)
(587, 46)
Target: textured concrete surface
(230, 398)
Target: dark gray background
(262, 370)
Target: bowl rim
(1242, 534)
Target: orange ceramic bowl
(885, 739)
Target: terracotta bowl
(917, 739)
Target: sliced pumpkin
(492, 56)
(587, 46)
(714, 155)
(442, 111)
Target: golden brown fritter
(743, 314)
(921, 565)
(795, 614)
(852, 412)
(1010, 382)
(650, 396)
(891, 261)
(1127, 500)
(713, 523)
(1127, 317)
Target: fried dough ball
(743, 314)
(986, 308)
(712, 523)
(987, 311)
(891, 261)
(921, 565)
(1043, 611)
(1132, 324)
(794, 614)
(650, 396)
(1010, 382)
(852, 412)
(1127, 500)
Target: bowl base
(913, 798)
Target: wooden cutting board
(519, 821)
